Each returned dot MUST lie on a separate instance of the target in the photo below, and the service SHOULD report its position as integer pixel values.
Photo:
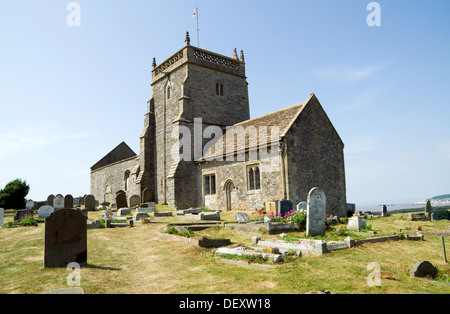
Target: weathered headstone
(89, 202)
(68, 201)
(22, 213)
(65, 238)
(212, 216)
(315, 222)
(423, 269)
(384, 212)
(121, 200)
(58, 202)
(2, 213)
(29, 205)
(242, 217)
(302, 206)
(356, 223)
(50, 200)
(428, 209)
(135, 200)
(284, 206)
(45, 211)
(123, 212)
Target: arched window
(253, 178)
(127, 179)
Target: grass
(136, 260)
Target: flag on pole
(195, 13)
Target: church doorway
(229, 187)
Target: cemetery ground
(138, 259)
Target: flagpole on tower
(196, 16)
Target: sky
(75, 81)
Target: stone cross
(315, 222)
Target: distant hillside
(439, 197)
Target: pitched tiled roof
(256, 131)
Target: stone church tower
(192, 83)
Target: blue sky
(68, 95)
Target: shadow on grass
(102, 267)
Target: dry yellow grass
(137, 260)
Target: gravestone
(89, 202)
(135, 200)
(123, 212)
(2, 213)
(68, 201)
(315, 222)
(21, 213)
(121, 200)
(302, 206)
(242, 217)
(58, 202)
(356, 223)
(428, 209)
(284, 206)
(29, 205)
(65, 238)
(50, 200)
(384, 212)
(423, 269)
(45, 211)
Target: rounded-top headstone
(315, 222)
(423, 269)
(29, 204)
(45, 211)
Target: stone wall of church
(315, 158)
(108, 180)
(242, 197)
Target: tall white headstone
(315, 222)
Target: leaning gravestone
(65, 238)
(135, 200)
(68, 201)
(58, 202)
(2, 212)
(45, 211)
(121, 200)
(428, 209)
(29, 205)
(315, 222)
(242, 217)
(89, 202)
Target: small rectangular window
(209, 184)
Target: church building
(199, 147)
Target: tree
(13, 194)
